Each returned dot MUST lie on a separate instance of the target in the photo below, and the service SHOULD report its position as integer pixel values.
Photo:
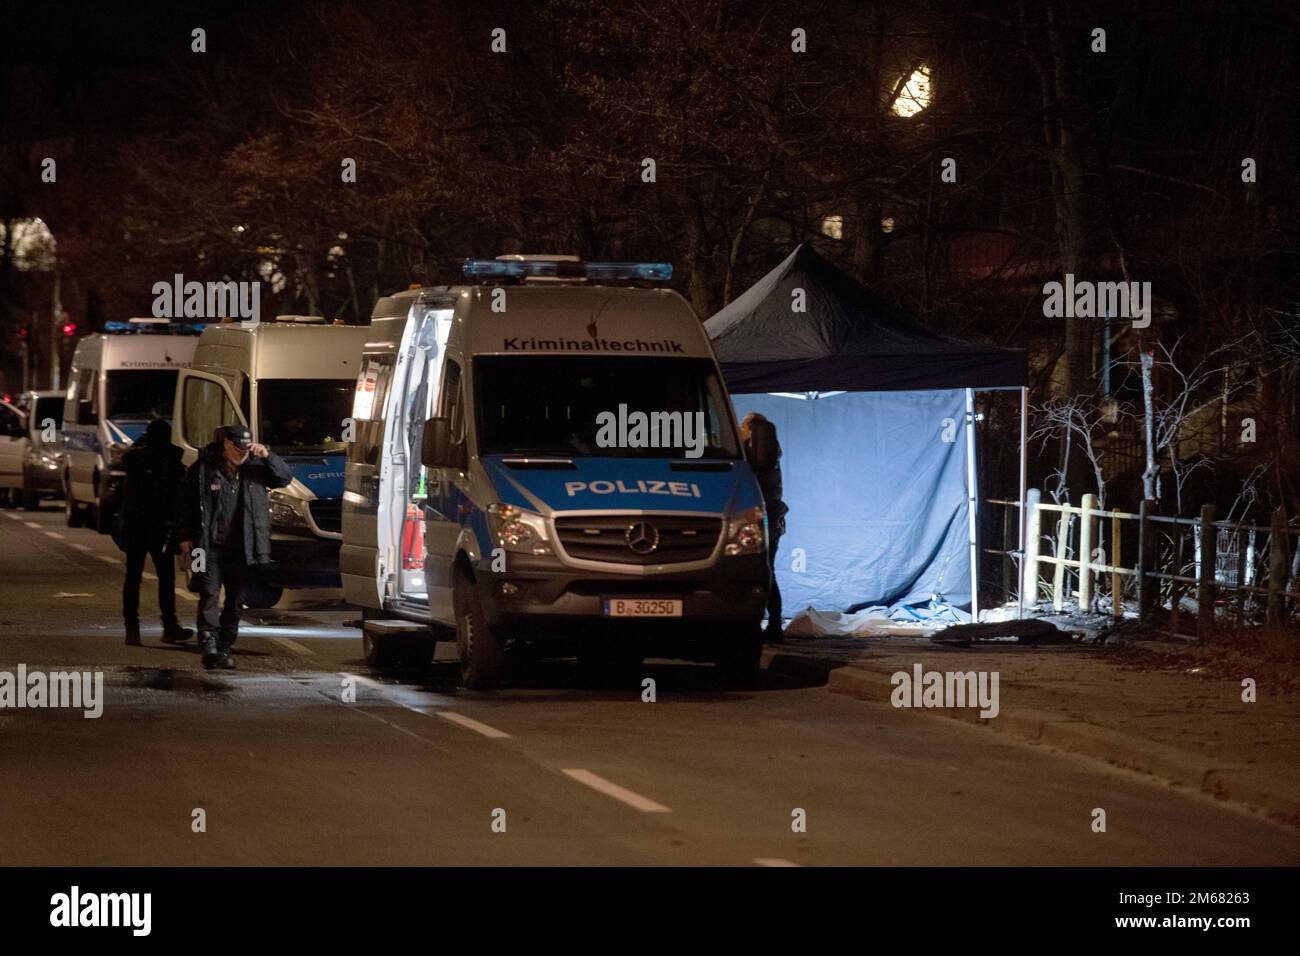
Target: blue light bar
(156, 328)
(566, 269)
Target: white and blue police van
(486, 503)
(291, 382)
(119, 381)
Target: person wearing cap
(224, 512)
(145, 526)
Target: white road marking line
(294, 646)
(773, 861)
(149, 575)
(32, 524)
(12, 516)
(186, 594)
(82, 547)
(53, 534)
(107, 560)
(471, 724)
(604, 786)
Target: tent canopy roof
(847, 338)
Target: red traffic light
(70, 328)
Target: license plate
(643, 607)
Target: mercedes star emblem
(642, 538)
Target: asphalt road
(556, 771)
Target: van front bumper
(302, 561)
(541, 596)
(43, 479)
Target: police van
(486, 504)
(118, 382)
(291, 382)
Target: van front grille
(639, 539)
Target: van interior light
(566, 268)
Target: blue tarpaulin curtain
(877, 496)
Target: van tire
(481, 659)
(380, 652)
(740, 659)
(260, 595)
(103, 512)
(417, 651)
(72, 515)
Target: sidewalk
(1173, 711)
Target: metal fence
(1229, 570)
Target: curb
(1223, 782)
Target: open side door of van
(204, 403)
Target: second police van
(291, 382)
(482, 504)
(118, 382)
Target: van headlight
(515, 529)
(286, 511)
(747, 533)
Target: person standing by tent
(769, 482)
(145, 524)
(225, 512)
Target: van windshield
(140, 394)
(303, 416)
(549, 405)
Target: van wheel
(103, 512)
(417, 651)
(481, 660)
(381, 652)
(72, 515)
(260, 595)
(740, 659)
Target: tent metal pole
(972, 507)
(1024, 518)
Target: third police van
(291, 382)
(501, 490)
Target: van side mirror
(762, 444)
(437, 450)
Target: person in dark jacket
(145, 526)
(769, 482)
(226, 524)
